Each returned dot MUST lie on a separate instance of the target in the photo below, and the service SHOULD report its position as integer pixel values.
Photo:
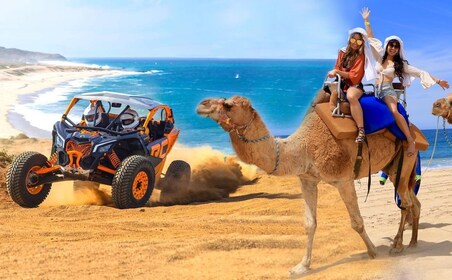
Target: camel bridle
(448, 107)
(241, 135)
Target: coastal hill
(17, 56)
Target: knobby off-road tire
(177, 177)
(133, 182)
(18, 180)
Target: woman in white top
(390, 63)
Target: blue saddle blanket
(377, 116)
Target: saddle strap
(397, 181)
(359, 159)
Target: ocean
(280, 90)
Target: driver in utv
(93, 118)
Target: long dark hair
(350, 54)
(398, 61)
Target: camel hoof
(412, 244)
(396, 250)
(372, 254)
(298, 271)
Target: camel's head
(442, 107)
(232, 113)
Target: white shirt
(410, 71)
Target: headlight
(59, 141)
(102, 149)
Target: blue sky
(231, 29)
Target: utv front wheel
(133, 183)
(21, 178)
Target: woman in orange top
(351, 65)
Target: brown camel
(443, 108)
(313, 154)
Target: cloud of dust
(78, 193)
(214, 175)
(199, 155)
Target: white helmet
(89, 117)
(129, 119)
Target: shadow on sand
(423, 249)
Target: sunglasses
(359, 42)
(394, 45)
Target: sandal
(361, 135)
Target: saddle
(377, 119)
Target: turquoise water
(280, 90)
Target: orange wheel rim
(33, 189)
(140, 185)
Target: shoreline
(24, 83)
(31, 79)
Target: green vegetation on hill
(16, 56)
(5, 158)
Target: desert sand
(253, 231)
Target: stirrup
(361, 135)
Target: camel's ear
(242, 102)
(246, 103)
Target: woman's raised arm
(365, 13)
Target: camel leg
(309, 190)
(416, 211)
(348, 194)
(397, 245)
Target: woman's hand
(365, 13)
(332, 73)
(444, 84)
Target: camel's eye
(227, 106)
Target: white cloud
(271, 29)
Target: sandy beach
(255, 233)
(27, 79)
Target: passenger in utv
(129, 120)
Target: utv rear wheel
(133, 182)
(177, 177)
(20, 177)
